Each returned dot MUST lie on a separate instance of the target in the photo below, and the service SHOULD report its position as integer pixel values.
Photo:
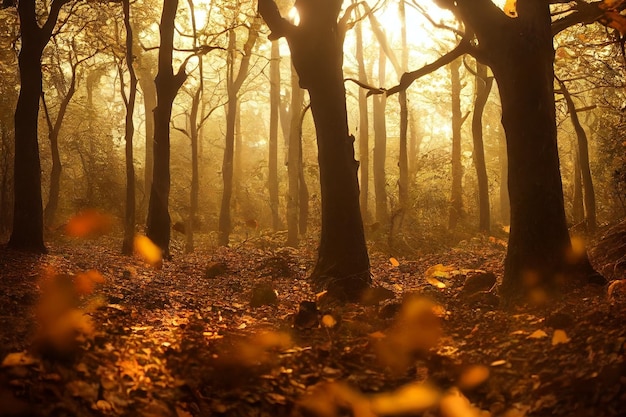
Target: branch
(408, 77)
(371, 90)
(51, 22)
(278, 25)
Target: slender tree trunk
(148, 88)
(195, 180)
(303, 190)
(234, 83)
(27, 231)
(505, 206)
(578, 206)
(167, 86)
(583, 162)
(363, 125)
(293, 159)
(129, 215)
(483, 88)
(456, 195)
(403, 162)
(273, 139)
(415, 141)
(380, 147)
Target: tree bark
(272, 181)
(483, 88)
(167, 86)
(129, 101)
(317, 52)
(27, 231)
(521, 55)
(589, 196)
(293, 160)
(363, 125)
(456, 194)
(380, 147)
(234, 83)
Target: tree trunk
(583, 162)
(148, 88)
(317, 52)
(233, 86)
(403, 162)
(167, 86)
(483, 88)
(380, 147)
(363, 125)
(293, 160)
(272, 180)
(521, 54)
(456, 195)
(195, 180)
(505, 206)
(129, 214)
(27, 231)
(578, 206)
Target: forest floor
(205, 335)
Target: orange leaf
(89, 223)
(394, 261)
(85, 281)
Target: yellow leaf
(321, 294)
(394, 261)
(18, 359)
(435, 282)
(498, 363)
(537, 334)
(559, 337)
(328, 321)
(409, 399)
(148, 251)
(377, 335)
(510, 8)
(440, 271)
(473, 377)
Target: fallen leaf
(18, 359)
(435, 282)
(559, 337)
(473, 376)
(537, 334)
(328, 321)
(394, 261)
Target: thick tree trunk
(521, 55)
(483, 88)
(456, 194)
(272, 180)
(317, 52)
(380, 147)
(27, 231)
(167, 86)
